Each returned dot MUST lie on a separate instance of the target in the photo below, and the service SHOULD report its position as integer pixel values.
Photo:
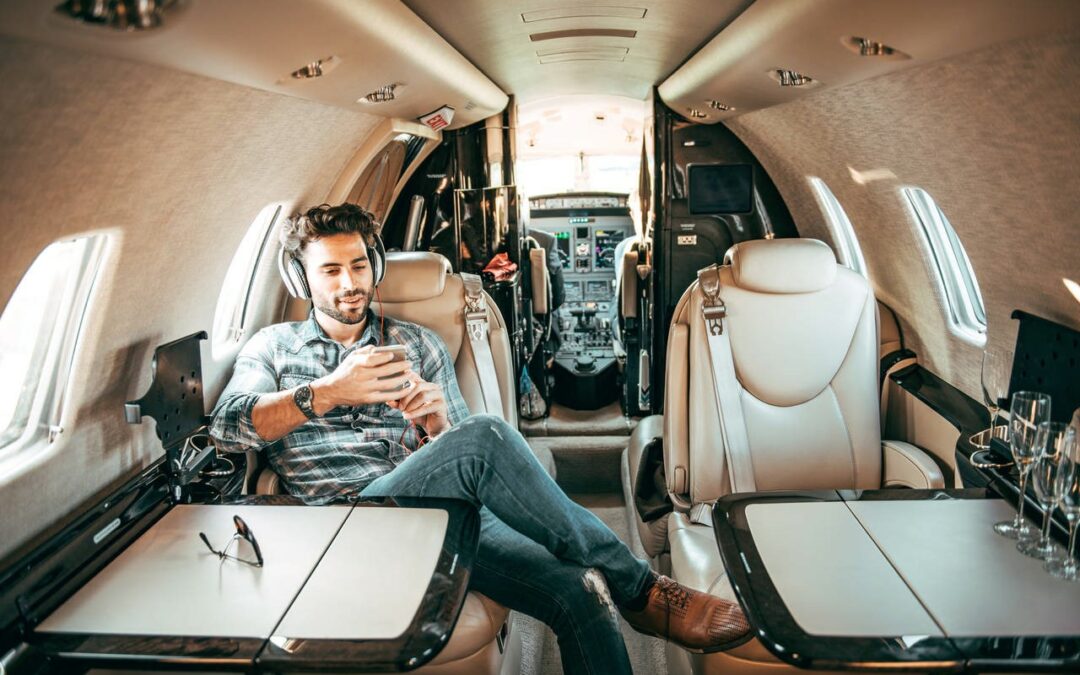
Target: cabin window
(966, 313)
(39, 334)
(843, 234)
(231, 315)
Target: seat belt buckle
(476, 323)
(714, 317)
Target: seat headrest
(413, 276)
(782, 265)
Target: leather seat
(805, 348)
(420, 287)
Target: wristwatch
(303, 398)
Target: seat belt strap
(701, 513)
(476, 324)
(726, 386)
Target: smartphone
(399, 353)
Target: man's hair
(325, 220)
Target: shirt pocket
(376, 414)
(293, 380)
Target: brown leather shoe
(688, 618)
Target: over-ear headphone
(295, 279)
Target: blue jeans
(540, 553)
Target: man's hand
(356, 381)
(425, 404)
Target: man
(340, 421)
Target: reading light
(697, 114)
(126, 15)
(717, 105)
(867, 47)
(316, 68)
(313, 69)
(791, 78)
(383, 94)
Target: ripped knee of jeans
(595, 583)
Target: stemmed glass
(1067, 491)
(1029, 410)
(1055, 440)
(996, 369)
(994, 380)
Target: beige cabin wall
(993, 136)
(176, 166)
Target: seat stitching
(847, 432)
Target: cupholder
(981, 440)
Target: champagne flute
(1054, 440)
(1067, 491)
(994, 381)
(994, 377)
(1029, 410)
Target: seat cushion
(480, 621)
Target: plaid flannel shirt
(337, 455)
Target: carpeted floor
(584, 464)
(607, 421)
(540, 653)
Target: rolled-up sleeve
(254, 375)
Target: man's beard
(350, 317)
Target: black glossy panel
(40, 580)
(65, 569)
(780, 634)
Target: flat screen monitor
(720, 188)
(573, 291)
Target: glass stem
(1048, 511)
(1019, 522)
(1070, 561)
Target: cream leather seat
(805, 349)
(419, 287)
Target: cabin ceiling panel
(809, 37)
(80, 152)
(993, 136)
(259, 43)
(496, 37)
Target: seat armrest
(647, 429)
(268, 483)
(905, 465)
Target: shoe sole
(731, 644)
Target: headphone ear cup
(300, 278)
(378, 260)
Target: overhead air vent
(583, 11)
(125, 15)
(383, 94)
(615, 54)
(867, 47)
(583, 32)
(791, 78)
(717, 105)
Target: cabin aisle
(540, 653)
(586, 448)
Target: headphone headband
(295, 278)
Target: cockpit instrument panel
(584, 201)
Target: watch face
(303, 397)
